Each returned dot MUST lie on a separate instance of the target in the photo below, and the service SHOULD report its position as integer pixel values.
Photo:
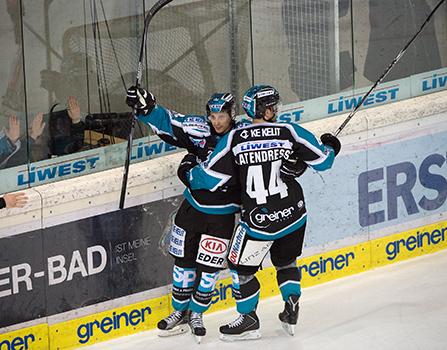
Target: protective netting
(188, 48)
(311, 28)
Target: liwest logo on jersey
(342, 103)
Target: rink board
(315, 269)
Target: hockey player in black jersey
(204, 223)
(263, 159)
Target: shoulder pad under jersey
(196, 125)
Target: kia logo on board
(214, 245)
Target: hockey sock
(182, 287)
(246, 290)
(288, 281)
(201, 298)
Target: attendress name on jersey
(255, 152)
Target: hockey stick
(154, 9)
(391, 65)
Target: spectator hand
(331, 141)
(15, 200)
(37, 126)
(188, 162)
(291, 168)
(73, 109)
(140, 99)
(13, 132)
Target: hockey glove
(188, 162)
(140, 99)
(291, 168)
(331, 141)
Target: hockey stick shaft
(152, 12)
(391, 65)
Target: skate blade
(289, 328)
(174, 331)
(249, 335)
(197, 338)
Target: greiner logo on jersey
(261, 218)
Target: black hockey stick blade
(152, 12)
(391, 65)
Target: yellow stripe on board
(108, 325)
(32, 338)
(406, 245)
(316, 269)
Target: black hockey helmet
(258, 98)
(221, 102)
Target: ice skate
(176, 323)
(196, 325)
(245, 327)
(289, 316)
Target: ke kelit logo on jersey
(198, 142)
(212, 251)
(244, 134)
(261, 218)
(236, 245)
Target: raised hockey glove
(291, 168)
(140, 99)
(188, 162)
(331, 141)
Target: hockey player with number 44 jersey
(264, 159)
(204, 223)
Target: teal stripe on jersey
(223, 209)
(327, 153)
(159, 119)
